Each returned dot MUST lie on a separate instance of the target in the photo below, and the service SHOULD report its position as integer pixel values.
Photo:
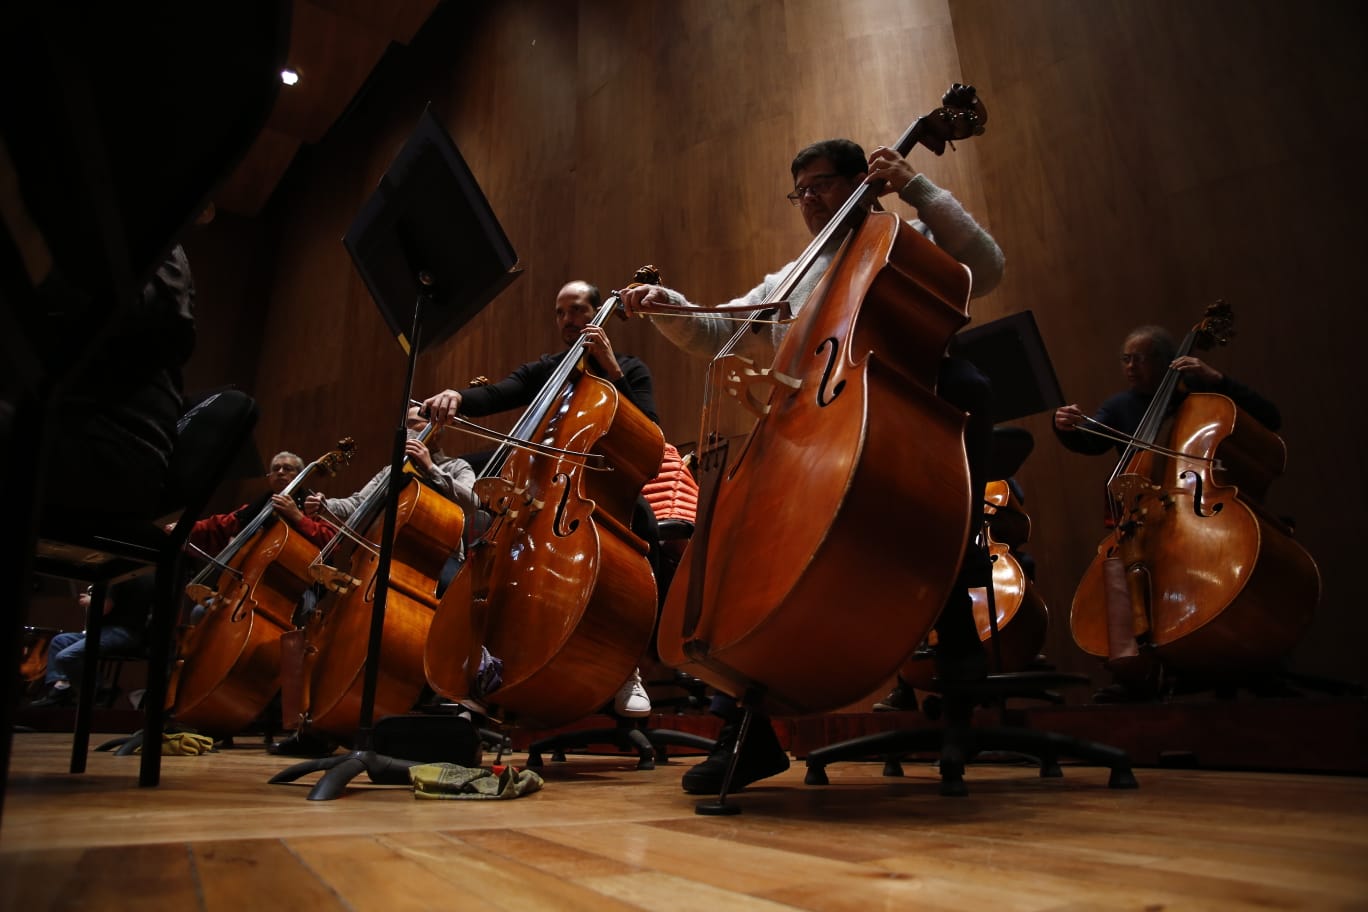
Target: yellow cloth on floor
(184, 744)
(449, 781)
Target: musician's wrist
(918, 191)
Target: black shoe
(303, 744)
(55, 699)
(761, 757)
(902, 698)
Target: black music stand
(426, 235)
(1011, 354)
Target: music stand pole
(427, 218)
(381, 769)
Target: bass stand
(720, 808)
(427, 218)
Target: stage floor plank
(604, 835)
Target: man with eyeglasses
(1146, 356)
(213, 533)
(825, 175)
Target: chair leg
(625, 737)
(89, 684)
(159, 633)
(662, 738)
(17, 538)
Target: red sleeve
(213, 533)
(315, 530)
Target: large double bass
(1196, 572)
(1015, 632)
(826, 548)
(228, 663)
(428, 530)
(557, 586)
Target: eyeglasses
(1136, 359)
(820, 184)
(283, 470)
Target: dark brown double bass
(427, 531)
(826, 548)
(1195, 568)
(228, 663)
(557, 586)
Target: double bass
(428, 529)
(1196, 573)
(557, 586)
(228, 664)
(826, 548)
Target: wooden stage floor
(604, 835)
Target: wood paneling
(1141, 159)
(1146, 159)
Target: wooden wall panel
(1146, 159)
(1141, 159)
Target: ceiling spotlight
(289, 77)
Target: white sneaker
(632, 700)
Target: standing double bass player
(825, 175)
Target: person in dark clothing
(123, 406)
(1146, 355)
(576, 304)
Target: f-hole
(823, 399)
(563, 527)
(1197, 495)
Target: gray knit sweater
(941, 218)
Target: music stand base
(343, 768)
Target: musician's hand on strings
(442, 407)
(418, 454)
(313, 504)
(286, 507)
(1198, 369)
(597, 346)
(1069, 417)
(895, 171)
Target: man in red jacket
(213, 533)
